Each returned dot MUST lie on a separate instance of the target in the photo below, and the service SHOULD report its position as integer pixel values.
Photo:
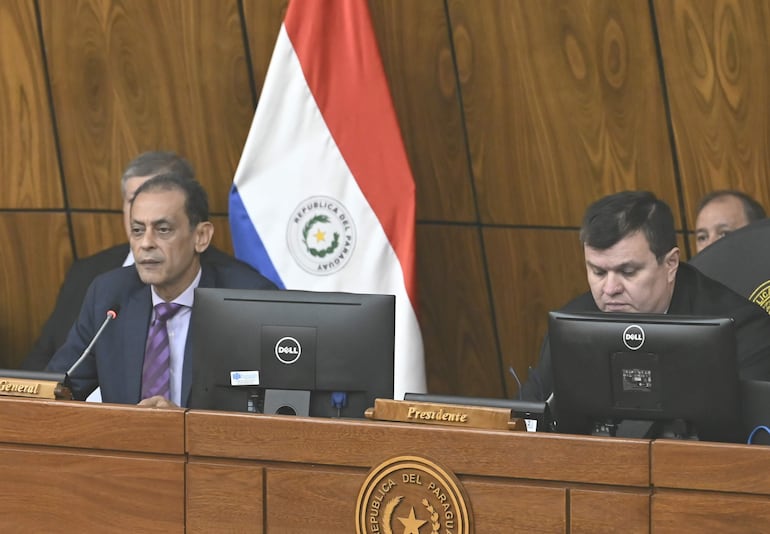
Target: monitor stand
(643, 429)
(287, 402)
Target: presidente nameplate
(11, 386)
(431, 413)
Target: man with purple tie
(143, 356)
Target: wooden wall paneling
(563, 105)
(417, 55)
(532, 271)
(717, 66)
(130, 76)
(263, 19)
(29, 170)
(96, 231)
(460, 352)
(37, 255)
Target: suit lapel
(135, 337)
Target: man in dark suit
(724, 211)
(82, 272)
(169, 231)
(633, 266)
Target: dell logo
(288, 350)
(633, 337)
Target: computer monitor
(645, 375)
(291, 352)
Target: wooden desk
(77, 467)
(285, 474)
(710, 487)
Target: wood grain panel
(516, 508)
(683, 511)
(327, 505)
(106, 493)
(562, 104)
(263, 19)
(37, 255)
(460, 353)
(717, 65)
(96, 231)
(92, 425)
(29, 171)
(224, 498)
(609, 511)
(417, 55)
(360, 443)
(532, 272)
(130, 76)
(710, 466)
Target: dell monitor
(291, 352)
(645, 375)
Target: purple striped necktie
(157, 354)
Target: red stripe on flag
(341, 62)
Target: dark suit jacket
(116, 366)
(694, 294)
(71, 295)
(65, 312)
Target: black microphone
(112, 313)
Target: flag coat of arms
(323, 198)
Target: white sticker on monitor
(244, 378)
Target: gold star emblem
(411, 524)
(320, 235)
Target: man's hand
(157, 402)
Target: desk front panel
(57, 490)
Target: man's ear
(671, 261)
(204, 231)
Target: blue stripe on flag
(246, 241)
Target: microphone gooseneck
(112, 313)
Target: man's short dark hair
(196, 200)
(753, 209)
(155, 163)
(614, 217)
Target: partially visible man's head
(169, 230)
(630, 250)
(144, 167)
(721, 212)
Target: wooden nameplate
(431, 413)
(33, 384)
